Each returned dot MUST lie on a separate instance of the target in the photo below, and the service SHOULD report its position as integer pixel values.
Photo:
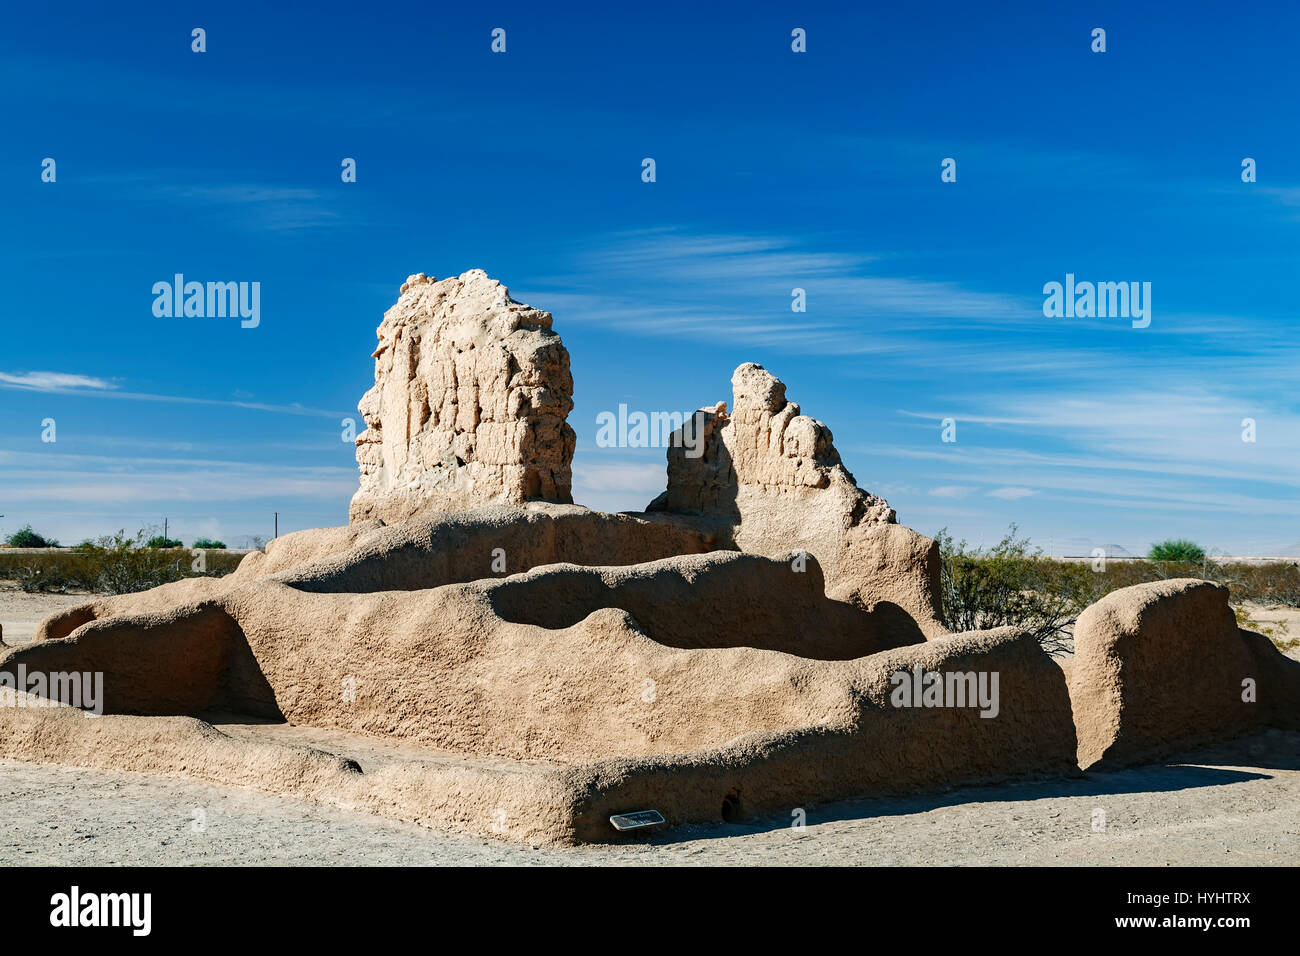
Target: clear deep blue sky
(775, 170)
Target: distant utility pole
(277, 525)
(164, 529)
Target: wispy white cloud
(1011, 493)
(1174, 450)
(242, 193)
(1190, 429)
(59, 383)
(53, 381)
(714, 257)
(617, 486)
(1282, 195)
(739, 288)
(266, 206)
(87, 481)
(951, 491)
(212, 196)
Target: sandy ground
(1234, 804)
(20, 613)
(1272, 614)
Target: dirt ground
(20, 613)
(1289, 617)
(1235, 804)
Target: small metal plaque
(637, 820)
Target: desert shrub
(1277, 582)
(1123, 574)
(158, 541)
(116, 564)
(45, 577)
(1274, 582)
(1012, 584)
(1179, 550)
(25, 537)
(207, 544)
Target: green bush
(1010, 584)
(115, 564)
(158, 541)
(1177, 549)
(34, 578)
(121, 565)
(25, 537)
(207, 544)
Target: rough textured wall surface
(766, 464)
(774, 477)
(550, 663)
(728, 732)
(468, 408)
(876, 748)
(1159, 668)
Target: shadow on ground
(1205, 767)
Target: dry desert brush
(1013, 584)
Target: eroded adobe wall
(441, 668)
(622, 721)
(773, 475)
(844, 737)
(189, 658)
(720, 599)
(561, 663)
(1163, 667)
(468, 408)
(771, 469)
(885, 750)
(437, 549)
(526, 803)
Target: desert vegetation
(113, 564)
(1177, 550)
(1013, 583)
(1010, 583)
(25, 537)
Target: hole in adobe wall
(731, 807)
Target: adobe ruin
(729, 652)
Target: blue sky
(775, 170)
